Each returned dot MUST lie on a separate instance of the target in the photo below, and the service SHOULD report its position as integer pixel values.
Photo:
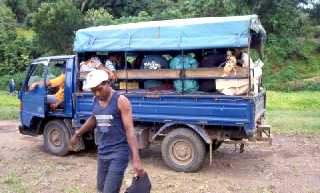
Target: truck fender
(196, 128)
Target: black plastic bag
(140, 184)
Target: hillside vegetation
(33, 28)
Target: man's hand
(111, 74)
(73, 142)
(137, 167)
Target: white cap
(94, 78)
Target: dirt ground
(291, 164)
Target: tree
(7, 30)
(96, 17)
(142, 16)
(55, 25)
(7, 20)
(19, 7)
(15, 52)
(117, 8)
(315, 13)
(17, 56)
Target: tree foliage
(15, 53)
(7, 24)
(17, 56)
(55, 24)
(19, 7)
(55, 21)
(142, 16)
(315, 12)
(117, 8)
(96, 17)
(7, 33)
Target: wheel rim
(181, 152)
(55, 137)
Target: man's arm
(50, 83)
(126, 115)
(38, 83)
(88, 125)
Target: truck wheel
(183, 150)
(56, 138)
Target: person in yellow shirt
(56, 99)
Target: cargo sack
(188, 85)
(232, 86)
(154, 62)
(184, 62)
(207, 85)
(151, 84)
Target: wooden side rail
(199, 73)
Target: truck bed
(196, 108)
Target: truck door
(33, 101)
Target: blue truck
(188, 124)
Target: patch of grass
(14, 183)
(73, 190)
(294, 121)
(9, 113)
(294, 112)
(293, 101)
(9, 106)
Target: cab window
(37, 74)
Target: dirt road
(292, 164)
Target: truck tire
(56, 138)
(183, 150)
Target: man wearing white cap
(114, 133)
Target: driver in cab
(56, 99)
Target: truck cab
(188, 123)
(35, 115)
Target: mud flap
(263, 133)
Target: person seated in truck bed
(93, 62)
(136, 63)
(115, 61)
(234, 86)
(242, 57)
